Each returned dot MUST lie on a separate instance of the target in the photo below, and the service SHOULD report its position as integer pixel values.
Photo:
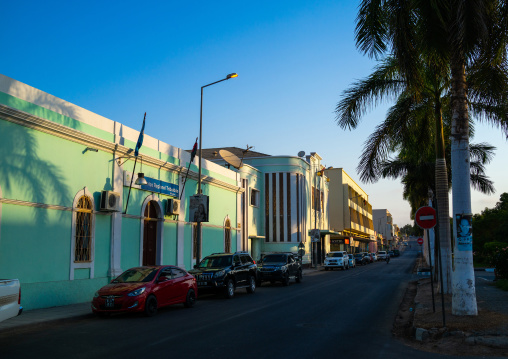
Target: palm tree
(451, 34)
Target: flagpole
(188, 168)
(132, 177)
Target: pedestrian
(387, 258)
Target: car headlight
(219, 274)
(96, 294)
(137, 292)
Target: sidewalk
(30, 318)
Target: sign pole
(431, 276)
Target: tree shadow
(27, 177)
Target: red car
(145, 289)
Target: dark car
(226, 272)
(360, 259)
(396, 253)
(279, 267)
(391, 253)
(145, 289)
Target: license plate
(110, 302)
(202, 283)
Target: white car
(381, 255)
(375, 257)
(10, 298)
(338, 259)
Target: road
(333, 314)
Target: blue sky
(120, 59)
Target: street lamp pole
(198, 237)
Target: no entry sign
(426, 217)
(420, 241)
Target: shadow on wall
(22, 171)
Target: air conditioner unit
(173, 207)
(110, 201)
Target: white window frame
(82, 265)
(256, 194)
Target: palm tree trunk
(463, 281)
(443, 203)
(443, 210)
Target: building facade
(66, 226)
(350, 214)
(383, 222)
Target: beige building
(350, 214)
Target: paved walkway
(37, 317)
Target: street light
(198, 237)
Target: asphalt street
(331, 314)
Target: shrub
(499, 260)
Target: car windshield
(382, 252)
(274, 258)
(216, 262)
(137, 275)
(358, 255)
(337, 254)
(350, 255)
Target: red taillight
(254, 262)
(19, 298)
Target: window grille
(83, 240)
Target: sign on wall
(198, 208)
(153, 185)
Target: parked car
(381, 255)
(10, 298)
(279, 267)
(338, 259)
(374, 256)
(360, 259)
(226, 272)
(391, 254)
(396, 253)
(368, 257)
(352, 261)
(146, 289)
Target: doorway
(150, 235)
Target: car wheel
(299, 276)
(285, 281)
(151, 306)
(191, 299)
(326, 268)
(252, 285)
(230, 289)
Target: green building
(65, 227)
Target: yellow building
(350, 214)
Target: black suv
(279, 267)
(225, 272)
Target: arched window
(227, 236)
(83, 234)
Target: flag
(140, 138)
(194, 150)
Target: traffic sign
(426, 217)
(420, 241)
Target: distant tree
(491, 225)
(411, 230)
